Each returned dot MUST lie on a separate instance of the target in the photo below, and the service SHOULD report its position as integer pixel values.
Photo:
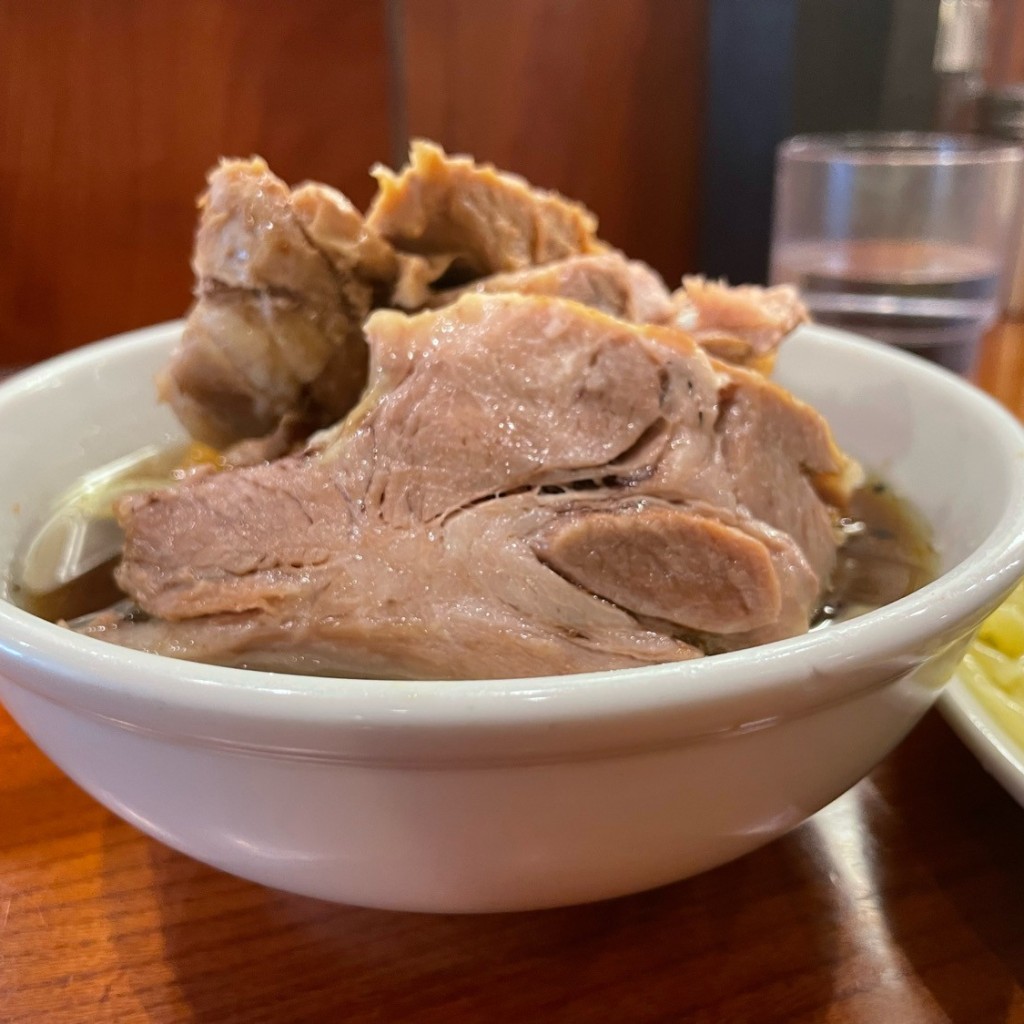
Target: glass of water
(903, 237)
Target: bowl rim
(75, 670)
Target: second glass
(902, 237)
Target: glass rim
(900, 148)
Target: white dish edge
(998, 753)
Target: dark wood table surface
(901, 902)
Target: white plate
(998, 753)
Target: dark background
(783, 67)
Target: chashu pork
(529, 486)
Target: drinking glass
(903, 237)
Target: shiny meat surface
(528, 486)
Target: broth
(79, 532)
(91, 592)
(887, 555)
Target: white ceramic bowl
(474, 796)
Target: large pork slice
(284, 282)
(528, 487)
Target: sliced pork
(285, 279)
(528, 486)
(743, 324)
(472, 220)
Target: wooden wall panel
(110, 113)
(1006, 42)
(601, 99)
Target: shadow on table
(750, 941)
(953, 875)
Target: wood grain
(111, 111)
(1006, 42)
(903, 901)
(600, 99)
(1000, 368)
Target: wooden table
(901, 902)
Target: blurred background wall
(661, 115)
